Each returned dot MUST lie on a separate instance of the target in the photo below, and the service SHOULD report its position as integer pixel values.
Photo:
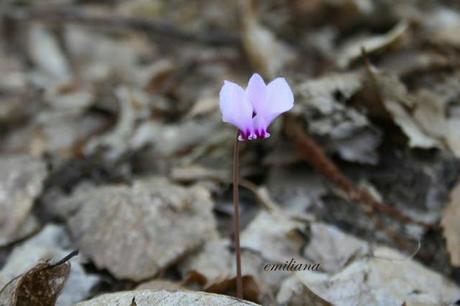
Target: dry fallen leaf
(251, 290)
(40, 286)
(399, 104)
(294, 293)
(332, 248)
(51, 242)
(115, 142)
(342, 128)
(165, 298)
(276, 237)
(134, 231)
(213, 262)
(389, 278)
(21, 181)
(451, 226)
(352, 49)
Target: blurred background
(111, 142)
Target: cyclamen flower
(252, 110)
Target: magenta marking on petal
(261, 134)
(244, 135)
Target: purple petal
(236, 108)
(279, 96)
(260, 127)
(257, 92)
(279, 100)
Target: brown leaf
(40, 286)
(227, 286)
(51, 242)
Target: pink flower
(252, 110)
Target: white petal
(235, 106)
(257, 92)
(280, 99)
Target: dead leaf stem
(314, 155)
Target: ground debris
(166, 221)
(21, 182)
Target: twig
(65, 259)
(236, 218)
(84, 16)
(314, 155)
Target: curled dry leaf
(294, 293)
(165, 298)
(21, 181)
(213, 262)
(251, 290)
(342, 128)
(399, 104)
(352, 50)
(277, 237)
(451, 226)
(115, 142)
(437, 112)
(134, 231)
(425, 117)
(332, 248)
(389, 278)
(40, 286)
(212, 268)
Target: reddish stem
(236, 219)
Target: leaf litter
(111, 143)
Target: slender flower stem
(236, 218)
